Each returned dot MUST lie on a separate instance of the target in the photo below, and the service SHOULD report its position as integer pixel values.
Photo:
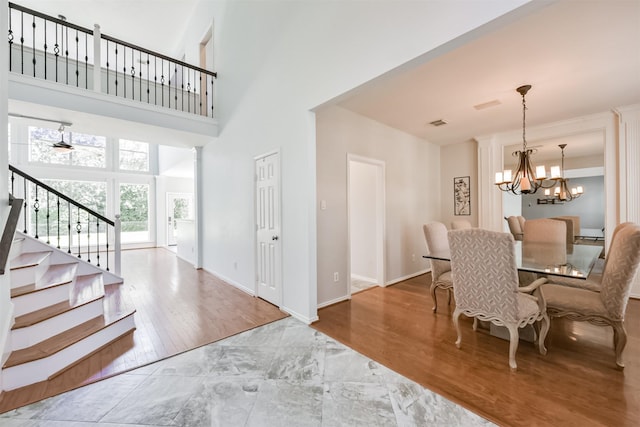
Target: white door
(268, 239)
(179, 206)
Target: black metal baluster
(182, 86)
(98, 242)
(69, 225)
(45, 49)
(86, 62)
(33, 26)
(201, 91)
(124, 71)
(36, 209)
(133, 76)
(188, 93)
(56, 51)
(148, 66)
(107, 66)
(66, 53)
(116, 69)
(106, 233)
(155, 80)
(48, 215)
(58, 205)
(77, 61)
(21, 42)
(175, 87)
(88, 238)
(13, 178)
(169, 85)
(162, 80)
(140, 77)
(211, 96)
(78, 230)
(24, 210)
(10, 42)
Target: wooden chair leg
(545, 323)
(514, 337)
(456, 315)
(433, 296)
(619, 341)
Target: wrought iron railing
(88, 59)
(60, 221)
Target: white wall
(164, 185)
(362, 219)
(459, 160)
(412, 194)
(277, 60)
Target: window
(134, 155)
(89, 150)
(134, 212)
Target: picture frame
(461, 196)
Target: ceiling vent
(438, 122)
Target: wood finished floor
(575, 384)
(178, 308)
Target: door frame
(278, 172)
(380, 217)
(169, 195)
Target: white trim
(300, 317)
(366, 279)
(334, 301)
(407, 277)
(231, 282)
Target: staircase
(65, 310)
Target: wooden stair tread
(56, 275)
(61, 341)
(28, 259)
(35, 317)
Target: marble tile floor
(280, 374)
(359, 285)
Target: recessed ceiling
(580, 57)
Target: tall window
(89, 150)
(134, 155)
(134, 212)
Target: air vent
(439, 122)
(487, 105)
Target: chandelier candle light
(524, 181)
(561, 193)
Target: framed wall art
(461, 196)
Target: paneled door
(268, 239)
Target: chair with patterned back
(607, 307)
(516, 226)
(435, 235)
(485, 286)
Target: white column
(629, 171)
(117, 250)
(489, 197)
(199, 215)
(97, 54)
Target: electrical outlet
(336, 276)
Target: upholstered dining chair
(485, 286)
(435, 235)
(516, 226)
(460, 225)
(545, 230)
(607, 307)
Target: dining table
(566, 260)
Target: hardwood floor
(178, 308)
(575, 384)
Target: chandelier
(561, 193)
(524, 181)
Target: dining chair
(516, 226)
(607, 307)
(435, 235)
(569, 227)
(460, 225)
(485, 286)
(594, 281)
(545, 230)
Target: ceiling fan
(60, 146)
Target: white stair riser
(29, 275)
(41, 369)
(31, 335)
(16, 248)
(44, 298)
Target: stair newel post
(117, 226)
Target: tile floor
(358, 285)
(281, 374)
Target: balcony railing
(53, 49)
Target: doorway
(366, 207)
(179, 208)
(268, 241)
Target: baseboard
(300, 317)
(232, 282)
(409, 276)
(334, 301)
(365, 278)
